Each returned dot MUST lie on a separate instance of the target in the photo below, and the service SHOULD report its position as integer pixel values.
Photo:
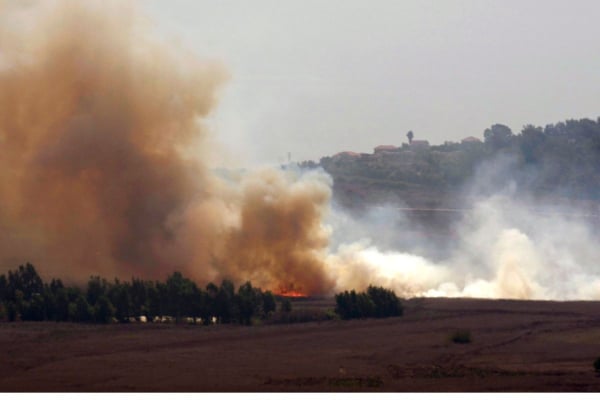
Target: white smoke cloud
(507, 246)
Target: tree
(55, 286)
(83, 311)
(268, 302)
(104, 311)
(34, 309)
(62, 301)
(498, 136)
(96, 288)
(224, 302)
(199, 304)
(72, 312)
(19, 302)
(375, 302)
(179, 295)
(386, 302)
(347, 305)
(212, 291)
(118, 295)
(24, 279)
(365, 307)
(531, 142)
(153, 299)
(139, 297)
(249, 301)
(3, 287)
(410, 135)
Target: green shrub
(331, 315)
(376, 302)
(386, 302)
(461, 337)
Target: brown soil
(515, 346)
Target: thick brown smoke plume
(280, 235)
(96, 173)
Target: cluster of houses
(412, 145)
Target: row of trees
(24, 295)
(376, 302)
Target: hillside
(560, 160)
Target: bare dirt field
(515, 346)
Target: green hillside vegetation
(561, 159)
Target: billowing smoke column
(101, 161)
(280, 237)
(102, 173)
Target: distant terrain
(559, 161)
(512, 346)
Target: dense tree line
(562, 157)
(25, 296)
(376, 302)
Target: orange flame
(291, 293)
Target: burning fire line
(291, 293)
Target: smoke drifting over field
(501, 248)
(102, 171)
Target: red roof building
(385, 147)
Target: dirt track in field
(516, 346)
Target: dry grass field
(514, 346)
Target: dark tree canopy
(498, 135)
(24, 296)
(562, 158)
(376, 302)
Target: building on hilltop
(385, 147)
(419, 144)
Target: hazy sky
(317, 77)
